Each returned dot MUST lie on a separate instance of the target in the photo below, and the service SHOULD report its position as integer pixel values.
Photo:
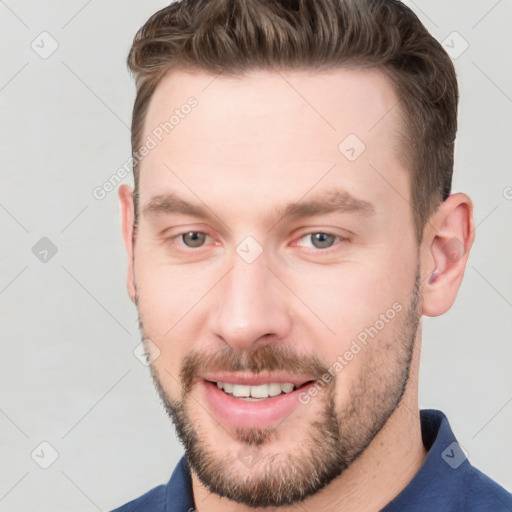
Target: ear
(448, 237)
(127, 219)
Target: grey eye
(322, 240)
(193, 238)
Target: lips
(247, 411)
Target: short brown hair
(236, 36)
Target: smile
(259, 392)
(256, 405)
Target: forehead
(333, 102)
(269, 134)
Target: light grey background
(68, 374)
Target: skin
(252, 145)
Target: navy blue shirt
(446, 482)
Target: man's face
(260, 286)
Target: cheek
(354, 294)
(371, 361)
(160, 308)
(166, 293)
(362, 301)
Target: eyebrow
(172, 203)
(332, 201)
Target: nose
(251, 306)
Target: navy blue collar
(446, 482)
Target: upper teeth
(261, 391)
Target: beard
(331, 442)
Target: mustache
(264, 358)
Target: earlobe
(448, 240)
(127, 225)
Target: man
(291, 222)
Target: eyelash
(338, 239)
